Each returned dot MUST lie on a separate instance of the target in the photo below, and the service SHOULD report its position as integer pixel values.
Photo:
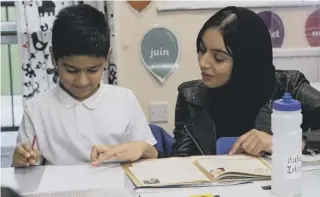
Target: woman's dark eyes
(218, 58)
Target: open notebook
(200, 170)
(310, 163)
(308, 160)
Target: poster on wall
(312, 28)
(275, 26)
(159, 52)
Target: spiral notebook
(197, 171)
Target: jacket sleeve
(310, 101)
(263, 121)
(309, 97)
(184, 145)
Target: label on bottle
(293, 166)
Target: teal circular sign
(159, 52)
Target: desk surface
(109, 177)
(47, 179)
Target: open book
(308, 160)
(199, 170)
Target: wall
(131, 26)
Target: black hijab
(234, 107)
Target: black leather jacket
(194, 128)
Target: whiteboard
(218, 4)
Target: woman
(238, 81)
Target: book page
(219, 166)
(221, 157)
(311, 160)
(172, 171)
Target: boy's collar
(68, 101)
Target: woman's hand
(253, 143)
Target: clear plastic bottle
(286, 147)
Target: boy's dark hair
(80, 30)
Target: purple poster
(275, 26)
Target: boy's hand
(130, 151)
(24, 156)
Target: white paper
(7, 178)
(81, 193)
(243, 190)
(167, 171)
(310, 168)
(80, 177)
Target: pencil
(32, 145)
(33, 142)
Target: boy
(67, 123)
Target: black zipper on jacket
(194, 140)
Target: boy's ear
(108, 56)
(53, 59)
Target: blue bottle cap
(287, 103)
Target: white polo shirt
(67, 129)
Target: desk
(109, 178)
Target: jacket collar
(197, 95)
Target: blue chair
(224, 145)
(164, 140)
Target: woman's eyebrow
(220, 51)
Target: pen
(33, 142)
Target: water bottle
(286, 147)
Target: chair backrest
(225, 144)
(164, 140)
